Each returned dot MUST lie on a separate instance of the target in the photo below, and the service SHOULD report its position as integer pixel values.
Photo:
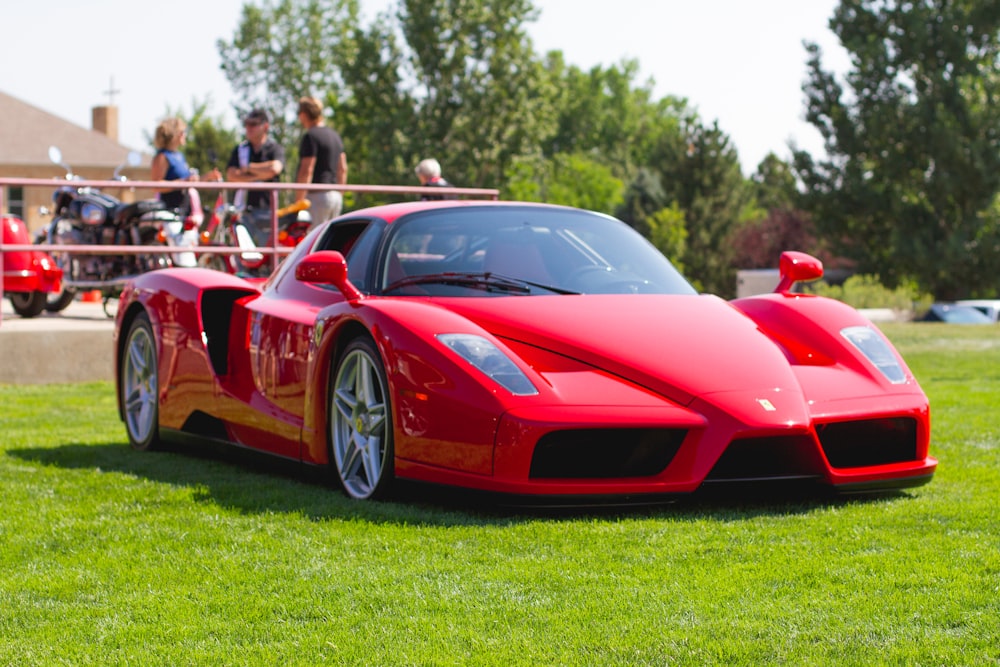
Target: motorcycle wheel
(28, 304)
(60, 301)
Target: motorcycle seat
(126, 212)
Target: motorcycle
(86, 216)
(250, 230)
(183, 232)
(28, 277)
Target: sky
(738, 62)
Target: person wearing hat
(256, 159)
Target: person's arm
(265, 171)
(307, 166)
(233, 170)
(342, 169)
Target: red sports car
(522, 349)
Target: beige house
(25, 137)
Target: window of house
(14, 198)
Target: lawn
(109, 556)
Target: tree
(668, 232)
(604, 112)
(774, 184)
(377, 114)
(913, 142)
(209, 142)
(778, 224)
(570, 180)
(701, 175)
(286, 50)
(481, 93)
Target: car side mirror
(797, 267)
(327, 267)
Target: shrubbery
(867, 291)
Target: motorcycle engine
(85, 266)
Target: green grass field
(113, 557)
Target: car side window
(342, 236)
(356, 241)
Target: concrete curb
(72, 346)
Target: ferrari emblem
(766, 404)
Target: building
(25, 137)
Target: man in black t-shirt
(257, 159)
(321, 160)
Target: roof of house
(27, 132)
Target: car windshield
(522, 250)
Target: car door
(281, 325)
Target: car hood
(682, 347)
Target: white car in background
(989, 307)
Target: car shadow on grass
(251, 482)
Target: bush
(867, 291)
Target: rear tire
(59, 301)
(138, 386)
(360, 418)
(28, 304)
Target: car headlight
(877, 351)
(488, 359)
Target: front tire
(139, 386)
(28, 304)
(361, 434)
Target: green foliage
(604, 111)
(282, 51)
(913, 137)
(569, 180)
(377, 114)
(774, 184)
(644, 197)
(459, 80)
(110, 556)
(703, 177)
(867, 291)
(482, 97)
(209, 142)
(668, 232)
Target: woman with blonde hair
(169, 163)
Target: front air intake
(769, 458)
(871, 442)
(605, 453)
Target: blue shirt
(177, 169)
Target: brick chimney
(104, 119)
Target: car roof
(391, 212)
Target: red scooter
(28, 276)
